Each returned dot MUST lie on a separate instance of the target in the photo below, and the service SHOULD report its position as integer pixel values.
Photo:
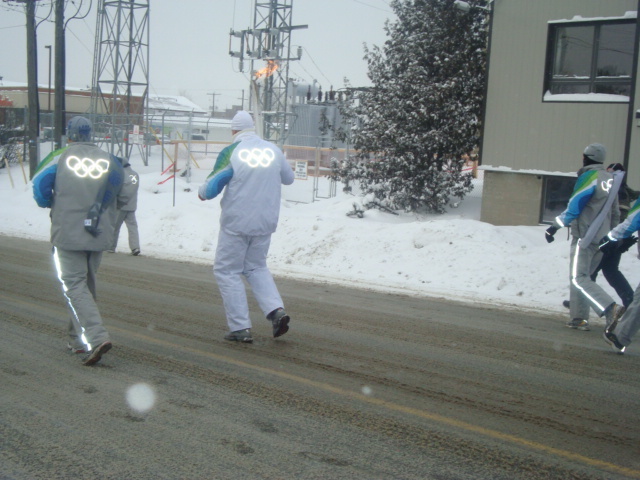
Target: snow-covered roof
(585, 97)
(492, 168)
(578, 18)
(195, 121)
(156, 102)
(173, 103)
(10, 84)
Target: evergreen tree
(422, 114)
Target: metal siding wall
(305, 131)
(633, 176)
(522, 131)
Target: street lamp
(466, 7)
(48, 47)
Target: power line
(311, 76)
(316, 65)
(16, 8)
(372, 6)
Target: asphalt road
(364, 386)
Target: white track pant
(629, 324)
(77, 272)
(238, 256)
(127, 217)
(584, 292)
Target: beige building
(77, 101)
(562, 74)
(17, 95)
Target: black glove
(627, 243)
(91, 221)
(550, 232)
(607, 244)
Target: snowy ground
(452, 256)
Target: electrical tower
(268, 48)
(120, 85)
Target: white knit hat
(242, 121)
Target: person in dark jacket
(127, 213)
(610, 263)
(81, 184)
(591, 210)
(620, 331)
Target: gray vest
(82, 173)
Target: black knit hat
(79, 129)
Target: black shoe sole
(239, 340)
(612, 343)
(95, 356)
(582, 328)
(282, 328)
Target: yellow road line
(632, 473)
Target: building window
(555, 197)
(591, 57)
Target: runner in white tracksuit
(253, 171)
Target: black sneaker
(280, 321)
(243, 336)
(566, 304)
(135, 252)
(612, 340)
(578, 324)
(613, 314)
(96, 354)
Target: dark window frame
(555, 197)
(594, 83)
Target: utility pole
(32, 81)
(213, 103)
(59, 109)
(32, 75)
(242, 99)
(48, 47)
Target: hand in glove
(550, 232)
(627, 243)
(91, 220)
(608, 244)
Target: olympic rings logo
(87, 167)
(257, 157)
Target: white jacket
(253, 171)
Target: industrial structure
(120, 82)
(267, 47)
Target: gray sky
(190, 43)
